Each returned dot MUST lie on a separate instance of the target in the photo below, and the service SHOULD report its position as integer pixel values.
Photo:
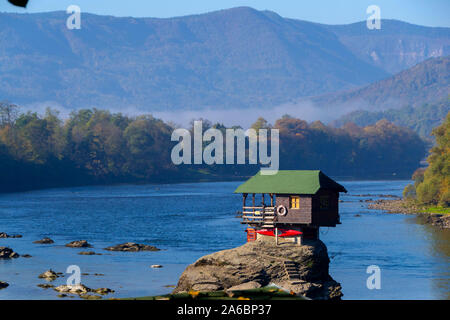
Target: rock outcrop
(133, 247)
(262, 262)
(7, 253)
(439, 220)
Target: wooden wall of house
(295, 216)
(310, 211)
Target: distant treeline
(99, 147)
(422, 119)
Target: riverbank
(438, 217)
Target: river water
(188, 221)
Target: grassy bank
(436, 210)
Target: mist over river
(190, 220)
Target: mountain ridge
(239, 57)
(426, 82)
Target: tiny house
(293, 204)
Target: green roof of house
(289, 182)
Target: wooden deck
(258, 216)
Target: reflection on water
(439, 245)
(191, 220)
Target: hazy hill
(231, 58)
(422, 119)
(426, 82)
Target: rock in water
(49, 275)
(79, 244)
(5, 235)
(7, 253)
(103, 291)
(44, 241)
(75, 289)
(261, 262)
(89, 253)
(82, 290)
(133, 247)
(3, 285)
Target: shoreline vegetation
(430, 194)
(97, 147)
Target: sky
(423, 12)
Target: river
(190, 220)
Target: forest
(93, 146)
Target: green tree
(435, 186)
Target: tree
(8, 114)
(260, 123)
(434, 187)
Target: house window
(295, 202)
(324, 202)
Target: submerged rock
(79, 244)
(132, 247)
(262, 262)
(3, 285)
(103, 291)
(8, 253)
(44, 241)
(49, 275)
(4, 235)
(89, 253)
(45, 285)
